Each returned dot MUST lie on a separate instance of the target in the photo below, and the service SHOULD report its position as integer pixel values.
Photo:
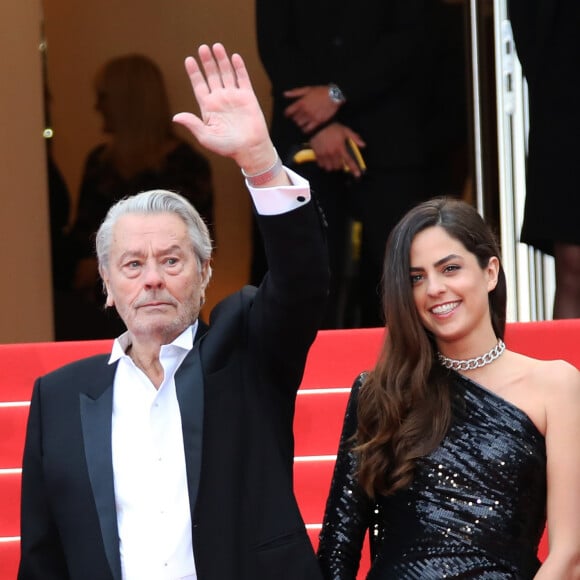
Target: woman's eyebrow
(437, 263)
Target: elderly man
(172, 457)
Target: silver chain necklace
(473, 363)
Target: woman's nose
(435, 286)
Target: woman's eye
(415, 279)
(451, 268)
(172, 261)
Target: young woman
(454, 448)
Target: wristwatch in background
(335, 94)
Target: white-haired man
(172, 457)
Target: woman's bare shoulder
(557, 377)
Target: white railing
(530, 274)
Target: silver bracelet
(257, 179)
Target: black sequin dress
(476, 507)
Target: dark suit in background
(381, 54)
(547, 40)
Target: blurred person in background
(142, 152)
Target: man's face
(153, 276)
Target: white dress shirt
(152, 500)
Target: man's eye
(172, 261)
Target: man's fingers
(226, 71)
(352, 165)
(241, 72)
(309, 126)
(196, 78)
(189, 121)
(355, 137)
(219, 70)
(297, 92)
(210, 67)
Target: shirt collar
(122, 343)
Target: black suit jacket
(236, 391)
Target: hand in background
(312, 107)
(332, 154)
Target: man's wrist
(261, 177)
(335, 94)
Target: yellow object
(304, 156)
(356, 239)
(307, 155)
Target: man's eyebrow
(174, 248)
(130, 254)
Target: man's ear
(205, 274)
(109, 302)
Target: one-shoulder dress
(475, 509)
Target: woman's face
(102, 105)
(450, 289)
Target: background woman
(142, 152)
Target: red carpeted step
(9, 558)
(337, 357)
(9, 504)
(22, 364)
(12, 432)
(318, 422)
(311, 484)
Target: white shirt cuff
(281, 199)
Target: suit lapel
(189, 388)
(96, 418)
(96, 410)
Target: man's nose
(153, 276)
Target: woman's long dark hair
(404, 406)
(137, 107)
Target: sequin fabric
(476, 507)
